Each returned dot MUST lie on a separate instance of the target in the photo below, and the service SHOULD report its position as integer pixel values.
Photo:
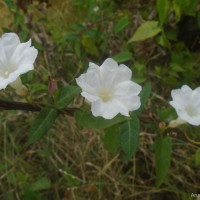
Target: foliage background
(75, 162)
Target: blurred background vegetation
(71, 161)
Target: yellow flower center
(6, 73)
(105, 95)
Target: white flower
(109, 89)
(187, 104)
(96, 9)
(15, 59)
(176, 122)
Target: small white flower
(109, 89)
(176, 122)
(187, 104)
(15, 59)
(96, 9)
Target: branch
(7, 105)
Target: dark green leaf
(129, 132)
(123, 56)
(30, 194)
(167, 114)
(41, 184)
(65, 95)
(89, 45)
(162, 9)
(112, 139)
(146, 30)
(121, 24)
(38, 88)
(144, 95)
(42, 124)
(163, 153)
(86, 119)
(163, 41)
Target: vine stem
(7, 105)
(190, 140)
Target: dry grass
(79, 167)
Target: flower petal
(108, 110)
(195, 97)
(194, 120)
(98, 108)
(131, 102)
(110, 64)
(89, 82)
(3, 59)
(10, 42)
(124, 73)
(127, 88)
(24, 56)
(180, 95)
(108, 71)
(93, 66)
(4, 82)
(186, 88)
(90, 97)
(113, 108)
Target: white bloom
(109, 89)
(176, 122)
(187, 104)
(96, 9)
(15, 59)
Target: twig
(7, 105)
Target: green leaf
(162, 9)
(65, 95)
(11, 5)
(177, 10)
(167, 114)
(42, 124)
(146, 30)
(38, 88)
(121, 24)
(163, 153)
(163, 41)
(197, 158)
(86, 119)
(123, 56)
(89, 45)
(28, 193)
(129, 132)
(70, 179)
(11, 178)
(112, 139)
(144, 96)
(41, 184)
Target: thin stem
(191, 140)
(178, 131)
(7, 105)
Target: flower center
(105, 95)
(6, 73)
(191, 111)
